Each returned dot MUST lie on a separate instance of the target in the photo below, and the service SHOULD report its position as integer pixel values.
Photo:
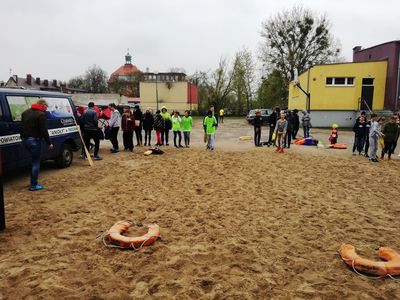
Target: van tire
(64, 160)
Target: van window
(18, 104)
(58, 107)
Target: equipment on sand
(246, 138)
(115, 236)
(338, 146)
(389, 267)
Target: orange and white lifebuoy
(391, 265)
(115, 236)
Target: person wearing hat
(333, 138)
(167, 125)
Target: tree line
(291, 42)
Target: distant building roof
(359, 48)
(125, 70)
(31, 83)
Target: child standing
(148, 121)
(374, 134)
(176, 128)
(280, 131)
(359, 129)
(158, 127)
(128, 125)
(334, 135)
(257, 122)
(210, 124)
(187, 127)
(390, 131)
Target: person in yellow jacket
(176, 128)
(167, 120)
(221, 115)
(210, 124)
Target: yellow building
(336, 91)
(179, 95)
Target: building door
(367, 94)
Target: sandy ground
(238, 223)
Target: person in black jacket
(296, 123)
(366, 138)
(90, 124)
(272, 123)
(148, 121)
(257, 122)
(33, 130)
(138, 115)
(289, 131)
(360, 129)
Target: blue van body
(63, 132)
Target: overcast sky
(59, 39)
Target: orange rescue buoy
(114, 235)
(391, 265)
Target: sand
(235, 225)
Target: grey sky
(59, 39)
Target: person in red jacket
(128, 126)
(33, 130)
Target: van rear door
(10, 141)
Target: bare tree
(296, 39)
(77, 82)
(221, 83)
(96, 80)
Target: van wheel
(64, 160)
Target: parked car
(264, 114)
(60, 121)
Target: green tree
(273, 91)
(243, 80)
(296, 39)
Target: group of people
(368, 133)
(283, 127)
(96, 127)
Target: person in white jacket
(115, 124)
(374, 134)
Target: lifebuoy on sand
(391, 265)
(115, 236)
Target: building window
(340, 81)
(368, 81)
